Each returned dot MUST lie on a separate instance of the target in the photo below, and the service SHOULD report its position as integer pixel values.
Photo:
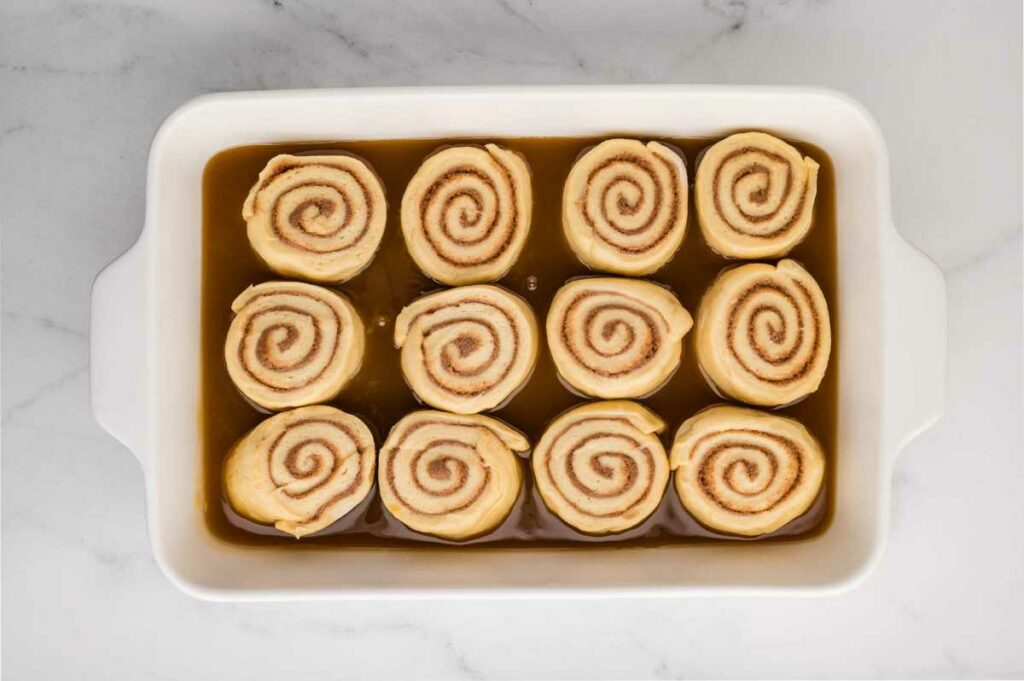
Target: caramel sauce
(379, 394)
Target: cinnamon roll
(755, 196)
(600, 467)
(744, 471)
(292, 344)
(467, 349)
(452, 476)
(624, 206)
(763, 333)
(614, 337)
(316, 217)
(301, 470)
(466, 213)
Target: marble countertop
(84, 86)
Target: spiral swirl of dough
(612, 337)
(600, 467)
(466, 213)
(452, 476)
(301, 470)
(755, 196)
(319, 218)
(744, 471)
(624, 206)
(292, 344)
(467, 349)
(763, 333)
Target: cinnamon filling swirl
(292, 344)
(624, 206)
(466, 213)
(301, 470)
(755, 196)
(600, 467)
(744, 471)
(452, 476)
(316, 217)
(616, 337)
(763, 333)
(467, 349)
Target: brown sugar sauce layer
(378, 393)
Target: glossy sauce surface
(379, 394)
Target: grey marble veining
(83, 87)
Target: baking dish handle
(914, 346)
(118, 338)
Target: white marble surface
(83, 86)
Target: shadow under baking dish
(379, 393)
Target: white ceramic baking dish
(145, 344)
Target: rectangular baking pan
(145, 344)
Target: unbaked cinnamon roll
(624, 206)
(467, 349)
(292, 344)
(613, 337)
(600, 467)
(466, 213)
(316, 217)
(755, 196)
(763, 333)
(744, 471)
(452, 476)
(301, 470)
